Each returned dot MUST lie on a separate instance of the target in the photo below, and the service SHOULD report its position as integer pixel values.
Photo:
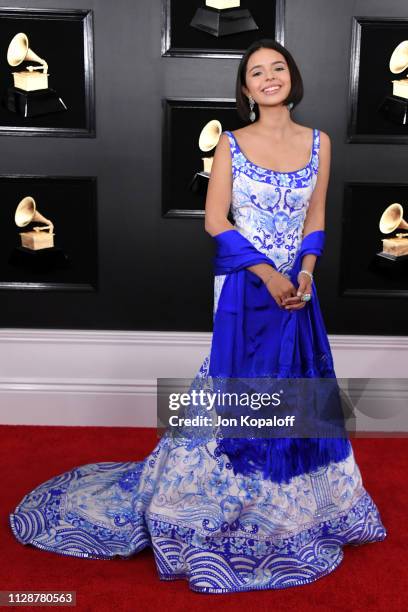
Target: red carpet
(371, 577)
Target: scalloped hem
(264, 587)
(81, 555)
(269, 586)
(220, 560)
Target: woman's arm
(218, 200)
(315, 217)
(219, 190)
(314, 221)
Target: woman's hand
(305, 286)
(281, 289)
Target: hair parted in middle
(296, 92)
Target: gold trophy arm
(44, 228)
(43, 67)
(49, 226)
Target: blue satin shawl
(253, 337)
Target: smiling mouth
(271, 90)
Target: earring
(290, 106)
(252, 115)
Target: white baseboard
(108, 378)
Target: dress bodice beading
(268, 207)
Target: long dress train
(228, 515)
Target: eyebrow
(272, 63)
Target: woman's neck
(275, 120)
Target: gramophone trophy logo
(223, 17)
(37, 250)
(396, 247)
(208, 140)
(395, 106)
(41, 236)
(30, 96)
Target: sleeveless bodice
(268, 207)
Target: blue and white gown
(221, 530)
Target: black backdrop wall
(156, 273)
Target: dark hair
(296, 92)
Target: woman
(236, 513)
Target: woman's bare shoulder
(324, 137)
(247, 129)
(223, 142)
(303, 132)
(325, 142)
(222, 150)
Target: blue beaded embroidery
(298, 178)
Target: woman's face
(231, 511)
(281, 222)
(267, 77)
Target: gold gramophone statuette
(222, 4)
(222, 18)
(399, 63)
(29, 79)
(392, 219)
(30, 96)
(208, 140)
(40, 237)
